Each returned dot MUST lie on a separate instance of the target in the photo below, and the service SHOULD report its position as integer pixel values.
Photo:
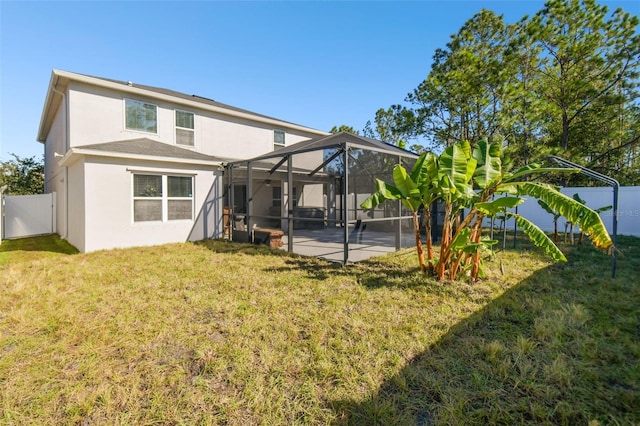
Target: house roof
(60, 81)
(143, 148)
(338, 140)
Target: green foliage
(455, 171)
(393, 126)
(414, 190)
(490, 159)
(563, 81)
(22, 176)
(344, 128)
(449, 179)
(574, 211)
(539, 238)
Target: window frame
(135, 197)
(164, 198)
(124, 102)
(176, 127)
(178, 198)
(277, 145)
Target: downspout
(66, 169)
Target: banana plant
(414, 190)
(490, 180)
(571, 225)
(464, 178)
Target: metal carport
(317, 185)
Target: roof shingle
(146, 146)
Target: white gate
(28, 215)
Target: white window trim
(165, 197)
(124, 117)
(175, 139)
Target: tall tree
(523, 113)
(588, 60)
(461, 97)
(22, 176)
(344, 128)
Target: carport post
(2, 189)
(616, 188)
(290, 203)
(232, 208)
(399, 221)
(345, 207)
(249, 200)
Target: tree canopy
(22, 176)
(563, 81)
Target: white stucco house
(135, 165)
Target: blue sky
(318, 64)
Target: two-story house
(137, 165)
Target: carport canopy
(318, 184)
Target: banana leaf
(489, 161)
(588, 220)
(539, 238)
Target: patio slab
(328, 243)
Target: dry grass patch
(221, 333)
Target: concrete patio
(328, 243)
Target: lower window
(161, 198)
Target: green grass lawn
(24, 249)
(222, 333)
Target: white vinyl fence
(27, 215)
(595, 197)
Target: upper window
(278, 139)
(161, 198)
(184, 128)
(141, 116)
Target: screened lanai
(310, 194)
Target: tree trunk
(427, 226)
(564, 142)
(441, 267)
(416, 228)
(475, 238)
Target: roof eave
(172, 99)
(74, 153)
(45, 121)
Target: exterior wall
(233, 138)
(97, 116)
(76, 207)
(209, 216)
(55, 143)
(311, 195)
(109, 206)
(95, 193)
(54, 175)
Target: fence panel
(595, 197)
(28, 215)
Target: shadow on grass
(560, 347)
(226, 246)
(46, 243)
